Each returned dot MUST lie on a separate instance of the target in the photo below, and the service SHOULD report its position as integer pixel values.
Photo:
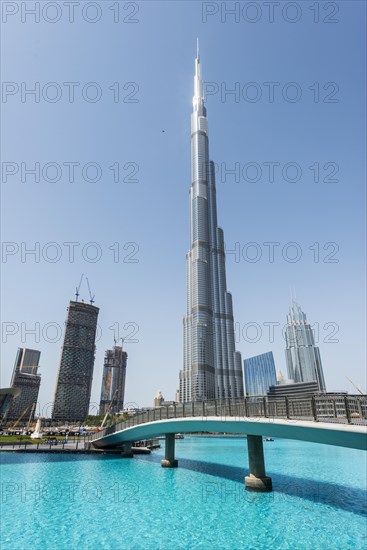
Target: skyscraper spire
(198, 99)
(302, 355)
(212, 368)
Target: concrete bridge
(333, 420)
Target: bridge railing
(339, 408)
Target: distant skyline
(292, 207)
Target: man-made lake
(53, 501)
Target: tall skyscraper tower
(259, 374)
(302, 355)
(211, 368)
(113, 380)
(26, 379)
(74, 382)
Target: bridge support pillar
(169, 454)
(127, 452)
(257, 480)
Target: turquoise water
(91, 502)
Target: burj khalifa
(212, 367)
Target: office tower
(302, 356)
(26, 379)
(280, 378)
(7, 396)
(113, 381)
(74, 381)
(299, 389)
(259, 374)
(158, 400)
(211, 367)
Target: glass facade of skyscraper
(259, 374)
(25, 378)
(302, 355)
(212, 366)
(113, 381)
(74, 382)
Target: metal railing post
(286, 407)
(313, 408)
(347, 411)
(264, 402)
(216, 407)
(192, 408)
(203, 409)
(334, 408)
(359, 408)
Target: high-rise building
(259, 374)
(26, 379)
(7, 395)
(113, 381)
(280, 378)
(302, 355)
(299, 389)
(74, 381)
(158, 400)
(211, 367)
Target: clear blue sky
(157, 54)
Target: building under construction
(113, 381)
(74, 382)
(26, 379)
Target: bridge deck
(331, 434)
(334, 420)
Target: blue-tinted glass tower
(259, 374)
(212, 366)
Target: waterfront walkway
(45, 447)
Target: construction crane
(77, 293)
(21, 416)
(117, 340)
(353, 384)
(78, 287)
(30, 416)
(108, 410)
(90, 294)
